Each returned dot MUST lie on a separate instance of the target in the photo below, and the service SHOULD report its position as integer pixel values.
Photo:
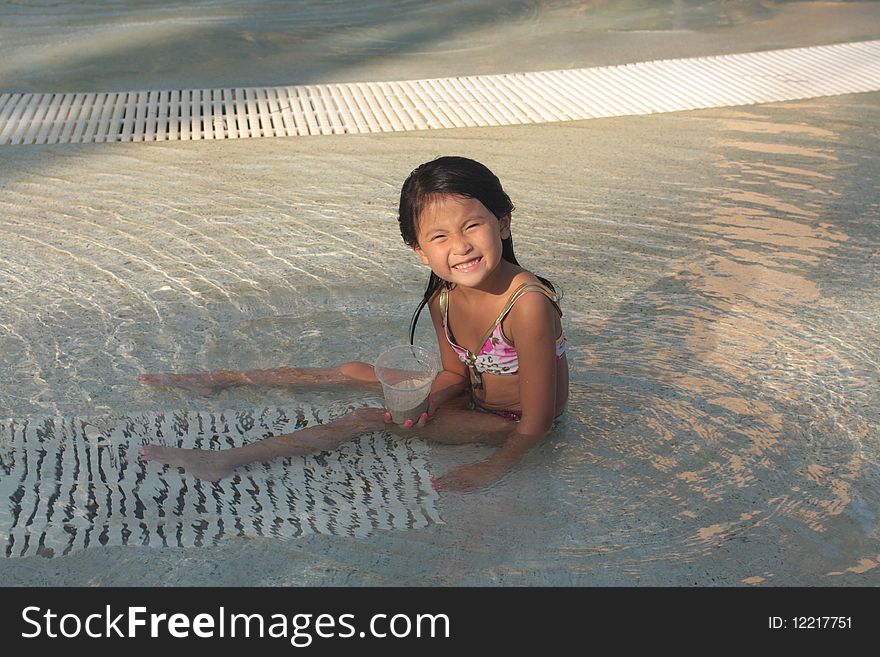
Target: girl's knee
(358, 371)
(368, 419)
(368, 413)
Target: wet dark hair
(458, 176)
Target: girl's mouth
(470, 265)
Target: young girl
(505, 374)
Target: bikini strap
(444, 302)
(517, 293)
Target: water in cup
(406, 373)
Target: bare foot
(200, 463)
(206, 383)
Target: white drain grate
(483, 100)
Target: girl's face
(460, 239)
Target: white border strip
(669, 85)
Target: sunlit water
(721, 306)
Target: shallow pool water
(719, 270)
(168, 44)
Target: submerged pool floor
(719, 277)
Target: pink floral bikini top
(497, 355)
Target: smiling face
(460, 239)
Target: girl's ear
(504, 223)
(421, 254)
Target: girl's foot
(202, 464)
(206, 384)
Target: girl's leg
(213, 465)
(355, 374)
(451, 425)
(460, 426)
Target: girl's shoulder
(525, 307)
(525, 277)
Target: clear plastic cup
(406, 373)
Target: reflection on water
(720, 272)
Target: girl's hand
(468, 478)
(423, 419)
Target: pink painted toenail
(408, 423)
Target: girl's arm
(532, 328)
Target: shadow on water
(730, 410)
(84, 46)
(316, 41)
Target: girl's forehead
(451, 209)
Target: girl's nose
(460, 246)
